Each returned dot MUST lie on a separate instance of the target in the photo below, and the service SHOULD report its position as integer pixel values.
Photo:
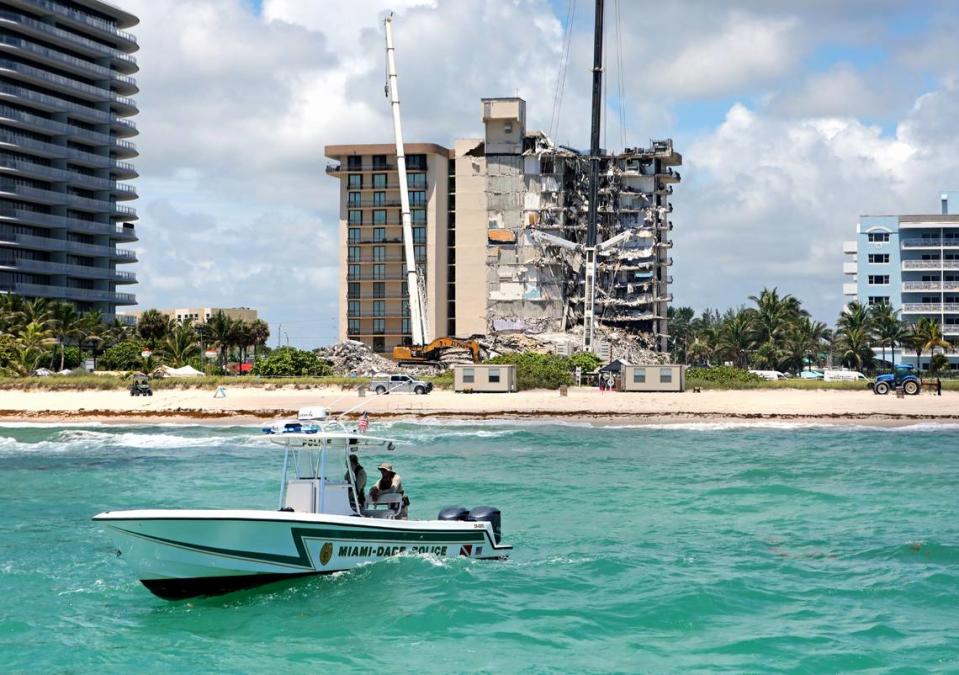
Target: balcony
(64, 198)
(36, 123)
(53, 244)
(79, 271)
(54, 151)
(850, 247)
(85, 20)
(369, 276)
(122, 231)
(850, 289)
(930, 285)
(950, 330)
(387, 314)
(929, 242)
(929, 307)
(930, 264)
(81, 294)
(44, 172)
(337, 169)
(850, 268)
(66, 62)
(124, 62)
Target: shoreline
(251, 406)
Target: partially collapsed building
(516, 223)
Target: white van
(769, 374)
(842, 376)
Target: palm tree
(90, 330)
(680, 319)
(804, 340)
(854, 345)
(221, 331)
(259, 333)
(153, 326)
(180, 345)
(888, 328)
(737, 336)
(64, 321)
(926, 335)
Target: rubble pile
(635, 349)
(354, 358)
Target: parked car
(384, 383)
(843, 376)
(811, 375)
(769, 374)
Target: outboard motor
(453, 513)
(489, 514)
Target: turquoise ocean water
(656, 549)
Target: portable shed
(662, 377)
(485, 377)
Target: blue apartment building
(912, 263)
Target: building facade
(375, 308)
(476, 212)
(66, 71)
(200, 315)
(910, 262)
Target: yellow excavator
(430, 353)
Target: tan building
(375, 307)
(200, 315)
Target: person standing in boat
(359, 479)
(364, 424)
(390, 483)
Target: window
(379, 234)
(379, 344)
(379, 289)
(416, 162)
(354, 181)
(353, 326)
(418, 216)
(379, 308)
(353, 271)
(379, 217)
(406, 325)
(639, 376)
(353, 253)
(878, 299)
(354, 163)
(353, 198)
(469, 375)
(379, 162)
(878, 258)
(379, 325)
(417, 180)
(665, 375)
(418, 197)
(353, 308)
(879, 279)
(379, 271)
(379, 253)
(352, 290)
(493, 375)
(379, 199)
(353, 235)
(379, 181)
(419, 253)
(419, 235)
(356, 217)
(878, 237)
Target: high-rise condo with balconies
(912, 263)
(66, 71)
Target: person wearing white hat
(389, 483)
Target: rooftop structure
(200, 315)
(912, 263)
(66, 71)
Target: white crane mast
(418, 324)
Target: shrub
(122, 356)
(71, 358)
(538, 371)
(586, 361)
(723, 376)
(287, 361)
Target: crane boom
(589, 289)
(418, 325)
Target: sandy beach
(246, 404)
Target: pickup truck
(385, 384)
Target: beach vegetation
(288, 361)
(546, 371)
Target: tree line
(777, 333)
(52, 334)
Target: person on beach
(390, 483)
(359, 480)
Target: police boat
(321, 526)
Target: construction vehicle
(431, 353)
(902, 376)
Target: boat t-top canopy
(332, 439)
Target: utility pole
(589, 290)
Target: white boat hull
(184, 553)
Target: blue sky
(792, 120)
